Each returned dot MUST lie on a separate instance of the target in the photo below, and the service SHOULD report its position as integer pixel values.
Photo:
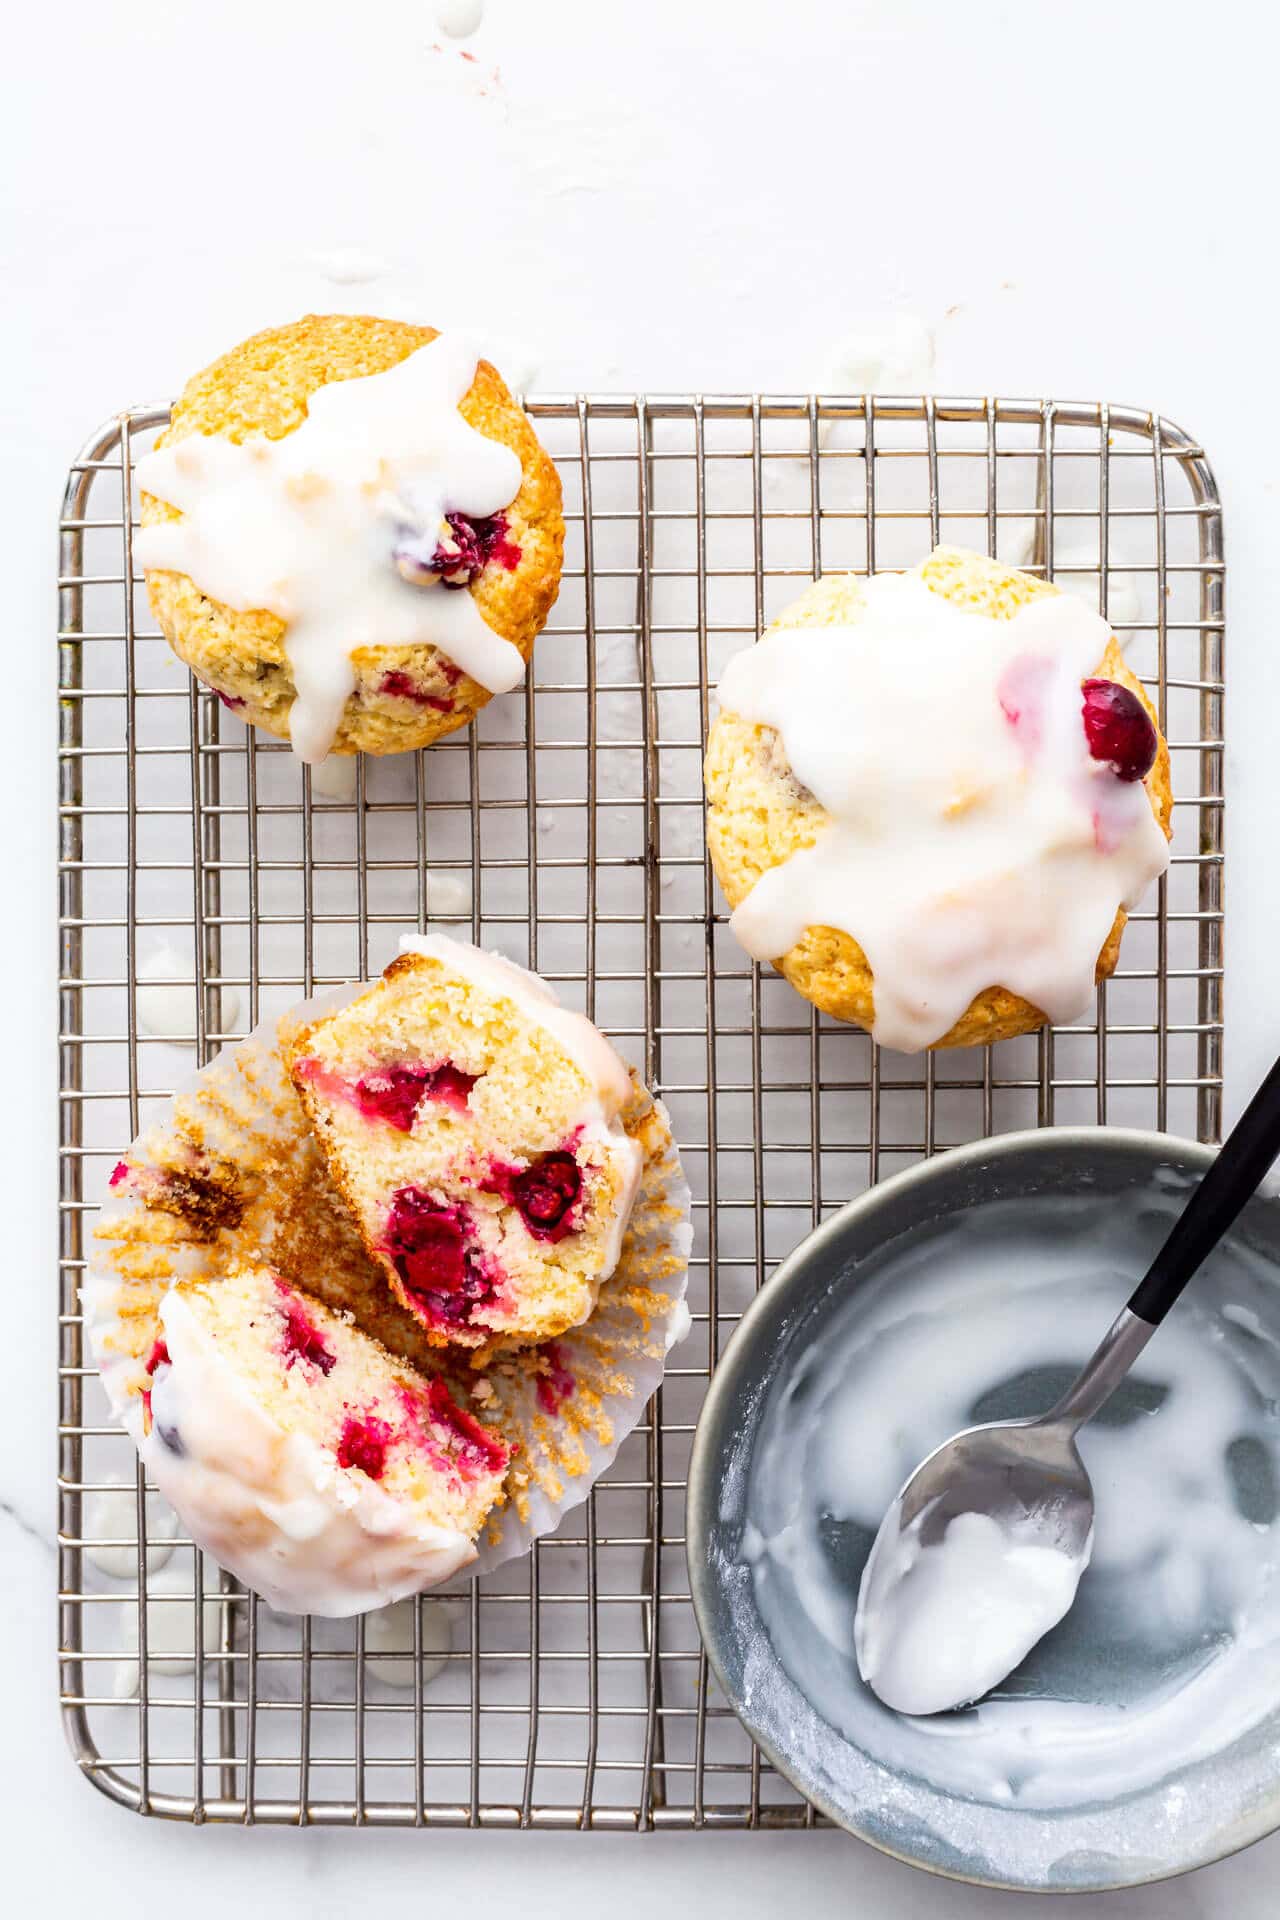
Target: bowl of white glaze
(1141, 1738)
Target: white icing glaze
(389, 1632)
(448, 894)
(1181, 1602)
(493, 973)
(167, 1010)
(459, 18)
(963, 851)
(679, 1326)
(303, 527)
(891, 354)
(1124, 590)
(336, 777)
(111, 1513)
(171, 1638)
(585, 1045)
(272, 1506)
(939, 1625)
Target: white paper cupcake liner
(231, 1173)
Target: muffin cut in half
(477, 1130)
(328, 1475)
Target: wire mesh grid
(207, 882)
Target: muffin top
(957, 788)
(348, 484)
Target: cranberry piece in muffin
(499, 1213)
(328, 1489)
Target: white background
(673, 195)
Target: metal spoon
(1026, 1476)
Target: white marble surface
(1076, 200)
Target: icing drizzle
(972, 840)
(304, 527)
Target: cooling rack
(206, 882)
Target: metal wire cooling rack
(206, 882)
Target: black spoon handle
(1243, 1161)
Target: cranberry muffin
(357, 570)
(762, 817)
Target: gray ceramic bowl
(1207, 1810)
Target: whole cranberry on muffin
(351, 532)
(933, 798)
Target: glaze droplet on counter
(305, 527)
(973, 839)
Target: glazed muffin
(327, 1475)
(995, 795)
(478, 1132)
(351, 533)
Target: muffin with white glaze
(479, 1133)
(931, 800)
(329, 1476)
(351, 533)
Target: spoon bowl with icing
(1137, 1739)
(983, 1550)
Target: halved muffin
(477, 1131)
(326, 1474)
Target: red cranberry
(456, 561)
(545, 1191)
(363, 1443)
(119, 1174)
(402, 686)
(158, 1357)
(556, 1385)
(302, 1340)
(1118, 729)
(476, 1448)
(496, 544)
(428, 1242)
(450, 1086)
(395, 1093)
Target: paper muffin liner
(232, 1173)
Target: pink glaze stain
(556, 1385)
(119, 1173)
(1021, 694)
(301, 1339)
(363, 1443)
